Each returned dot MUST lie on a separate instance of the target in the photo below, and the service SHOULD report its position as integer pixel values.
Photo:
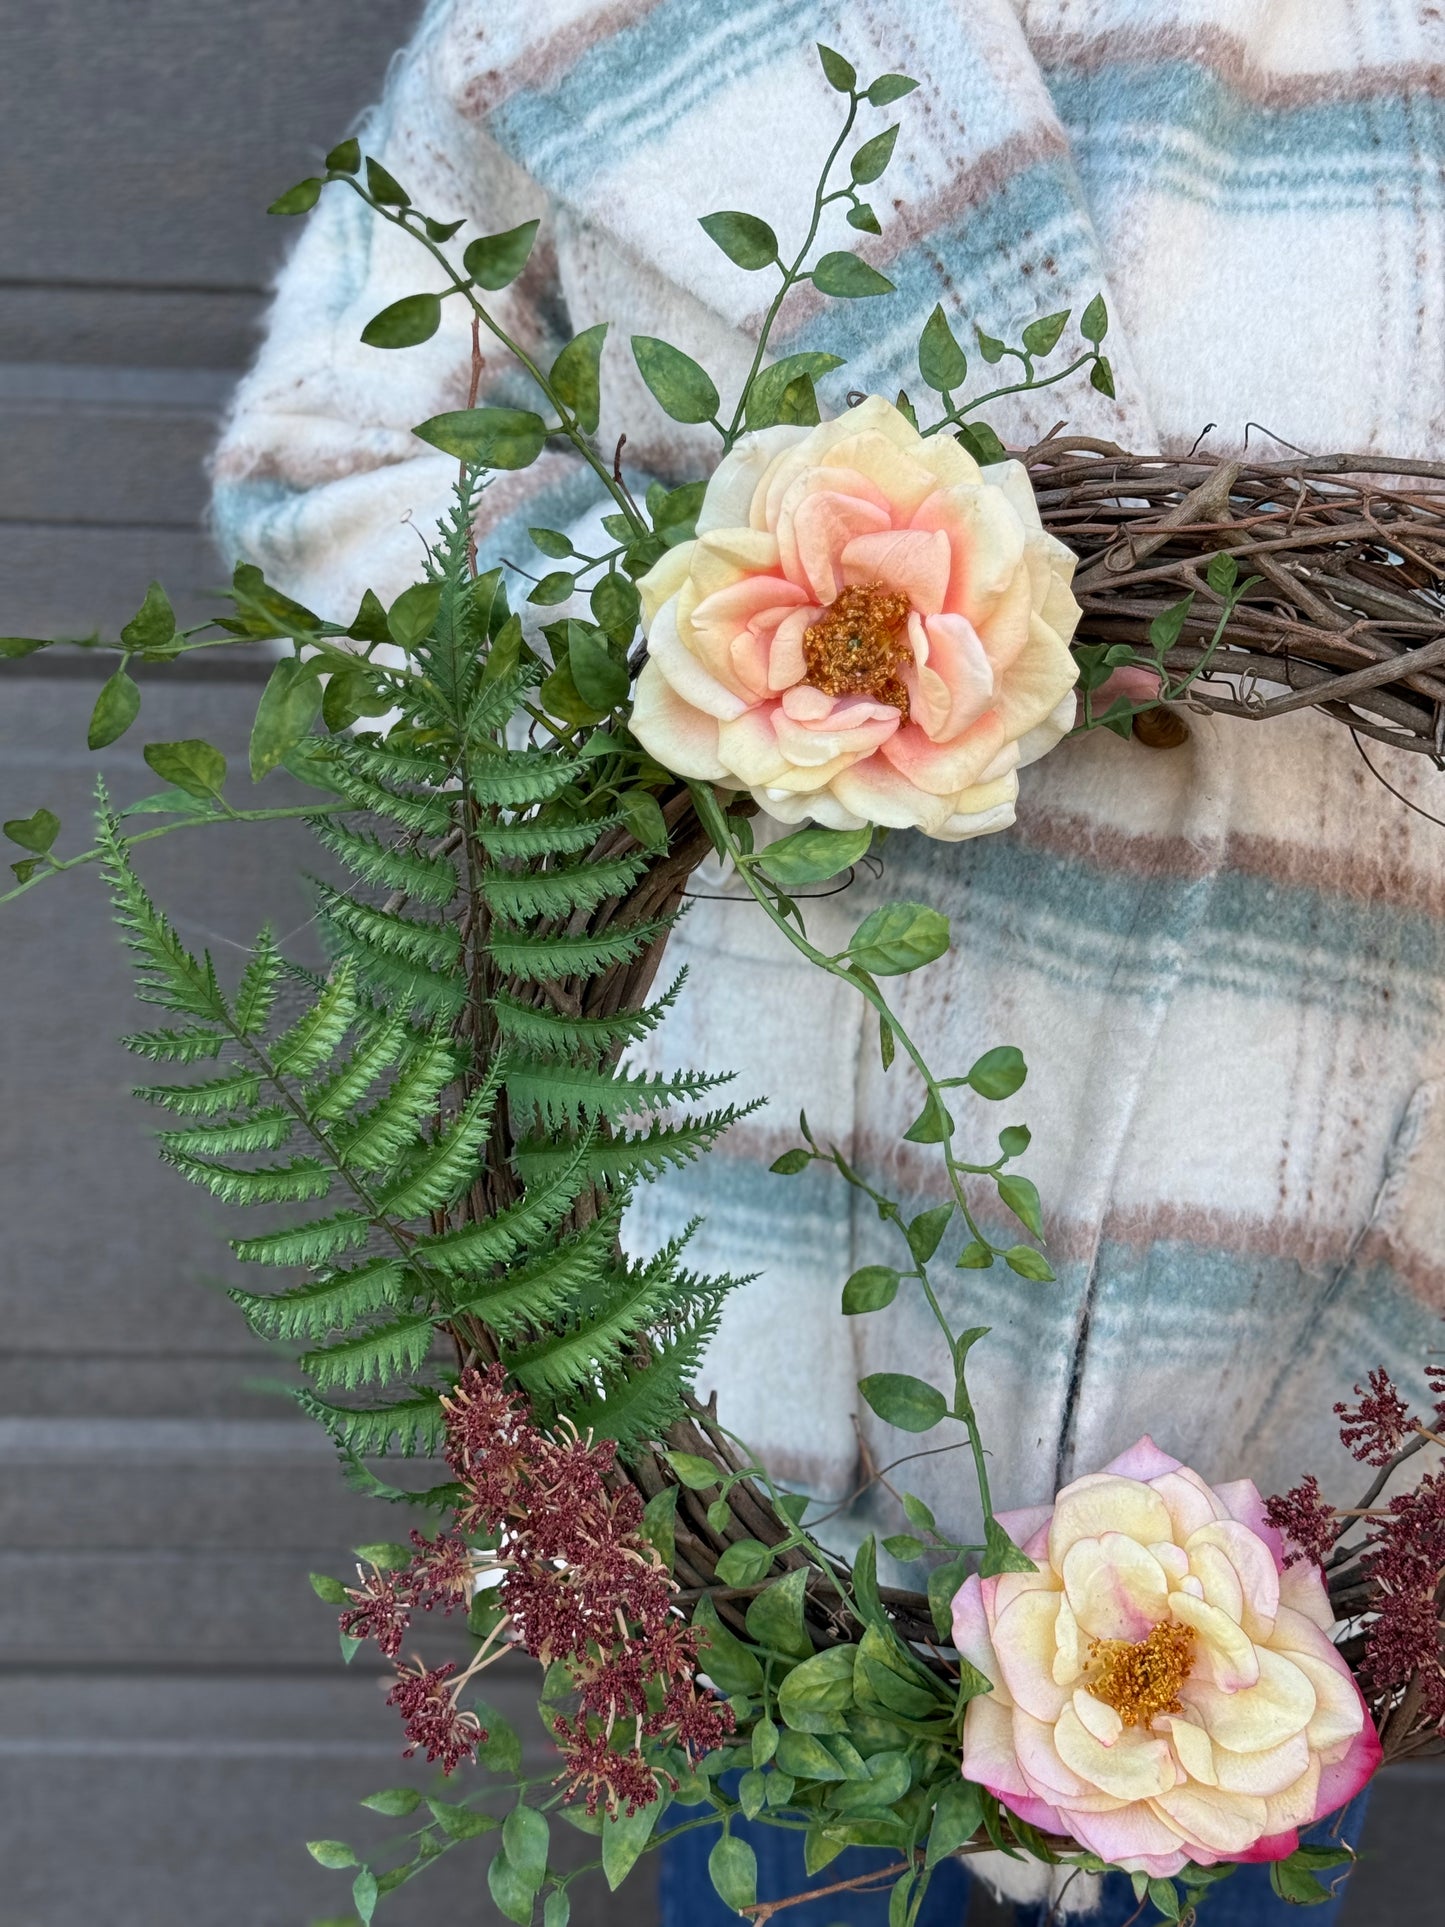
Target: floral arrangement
(855, 627)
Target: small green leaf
(645, 820)
(862, 217)
(525, 1836)
(814, 855)
(744, 1562)
(659, 1524)
(933, 1124)
(1041, 337)
(798, 403)
(957, 1817)
(887, 1042)
(551, 542)
(989, 346)
(873, 156)
(979, 440)
(722, 1656)
(299, 199)
(1165, 629)
(1101, 376)
(925, 1233)
(288, 707)
(842, 274)
(501, 1750)
(941, 362)
(1000, 1553)
(745, 240)
(841, 74)
(35, 833)
(624, 1838)
(344, 158)
(889, 87)
(898, 938)
(765, 1734)
(557, 1910)
(394, 1801)
(943, 1582)
(975, 1256)
(906, 409)
(1165, 1896)
(153, 626)
(998, 1073)
(616, 606)
(504, 438)
(1014, 1140)
(331, 1853)
(411, 617)
(775, 1619)
(903, 1545)
(1021, 1195)
(460, 1822)
(577, 376)
(13, 648)
(817, 1690)
(192, 765)
(387, 1555)
(732, 1867)
(902, 1400)
(329, 1589)
(365, 1891)
(495, 260)
(557, 587)
(765, 396)
(803, 1756)
(752, 1792)
(791, 1163)
(1221, 575)
(512, 1895)
(116, 708)
(719, 1515)
(870, 1289)
(695, 1472)
(415, 318)
(918, 1514)
(385, 187)
(1029, 1263)
(682, 389)
(1094, 321)
(600, 679)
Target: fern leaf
(521, 895)
(313, 1039)
(166, 972)
(623, 1157)
(388, 762)
(417, 1424)
(376, 1356)
(334, 1303)
(422, 815)
(541, 1031)
(565, 1096)
(572, 1358)
(260, 981)
(554, 1282)
(430, 879)
(639, 1405)
(376, 1051)
(314, 1243)
(264, 1130)
(449, 1163)
(434, 946)
(532, 839)
(189, 1046)
(517, 779)
(548, 958)
(401, 986)
(295, 1183)
(237, 1090)
(378, 1137)
(499, 1238)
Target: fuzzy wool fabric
(1223, 962)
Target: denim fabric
(1245, 1899)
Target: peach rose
(869, 628)
(1164, 1690)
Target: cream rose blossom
(1164, 1688)
(868, 628)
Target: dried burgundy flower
(382, 1611)
(1307, 1520)
(1405, 1558)
(432, 1718)
(442, 1572)
(1375, 1429)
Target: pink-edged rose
(868, 628)
(1164, 1689)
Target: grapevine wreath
(855, 626)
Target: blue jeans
(1245, 1899)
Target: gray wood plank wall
(175, 1720)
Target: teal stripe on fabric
(636, 85)
(1180, 124)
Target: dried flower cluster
(1398, 1560)
(580, 1586)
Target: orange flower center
(858, 645)
(1142, 1677)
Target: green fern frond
(565, 1096)
(314, 1243)
(521, 895)
(638, 1406)
(376, 1139)
(190, 1046)
(571, 1359)
(546, 959)
(298, 1182)
(237, 1090)
(313, 1039)
(259, 984)
(417, 1424)
(496, 1240)
(264, 1130)
(422, 815)
(430, 879)
(449, 1164)
(540, 1031)
(334, 1303)
(372, 1357)
(378, 1048)
(530, 840)
(431, 997)
(625, 1156)
(165, 971)
(517, 779)
(432, 946)
(548, 1285)
(389, 763)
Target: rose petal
(1224, 1648)
(1117, 1588)
(1260, 1716)
(682, 737)
(1098, 1504)
(912, 561)
(1143, 1460)
(1137, 1767)
(1224, 1823)
(1255, 1568)
(1023, 1639)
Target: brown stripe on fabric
(544, 61)
(1229, 56)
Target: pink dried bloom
(382, 1611)
(1307, 1520)
(1405, 1558)
(1375, 1429)
(616, 1781)
(442, 1572)
(432, 1719)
